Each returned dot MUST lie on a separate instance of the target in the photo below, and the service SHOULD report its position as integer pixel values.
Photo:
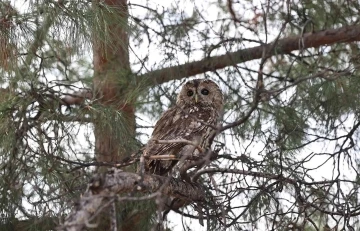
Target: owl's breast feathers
(193, 123)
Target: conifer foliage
(82, 83)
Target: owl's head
(202, 92)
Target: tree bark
(112, 75)
(111, 72)
(104, 188)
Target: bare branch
(232, 12)
(77, 98)
(278, 47)
(283, 46)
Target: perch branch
(103, 188)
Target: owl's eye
(205, 91)
(190, 93)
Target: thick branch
(104, 188)
(283, 46)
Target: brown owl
(193, 118)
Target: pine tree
(82, 83)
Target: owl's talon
(201, 150)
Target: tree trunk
(112, 77)
(111, 72)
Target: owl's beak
(196, 98)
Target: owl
(193, 118)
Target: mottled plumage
(198, 105)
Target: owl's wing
(165, 123)
(168, 127)
(176, 124)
